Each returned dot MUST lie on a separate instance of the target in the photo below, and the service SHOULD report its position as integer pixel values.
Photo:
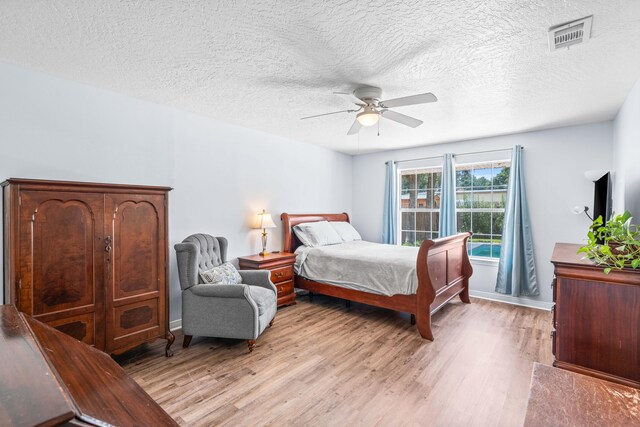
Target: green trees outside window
(481, 191)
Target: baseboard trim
(523, 302)
(175, 324)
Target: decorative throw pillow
(224, 274)
(346, 231)
(318, 233)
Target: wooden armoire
(90, 260)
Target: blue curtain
(448, 198)
(389, 215)
(517, 270)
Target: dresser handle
(279, 274)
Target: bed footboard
(443, 269)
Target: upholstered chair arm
(187, 257)
(220, 310)
(221, 291)
(260, 278)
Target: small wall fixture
(577, 210)
(264, 221)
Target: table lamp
(264, 222)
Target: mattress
(364, 266)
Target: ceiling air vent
(570, 33)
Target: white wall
(222, 175)
(626, 153)
(554, 165)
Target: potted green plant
(614, 245)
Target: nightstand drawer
(285, 288)
(282, 274)
(280, 264)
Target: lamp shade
(265, 220)
(368, 117)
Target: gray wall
(626, 155)
(223, 175)
(554, 165)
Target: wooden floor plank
(323, 364)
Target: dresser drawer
(285, 288)
(282, 274)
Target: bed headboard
(291, 241)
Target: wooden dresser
(281, 266)
(50, 379)
(596, 318)
(90, 260)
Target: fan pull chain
(378, 127)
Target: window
(419, 205)
(481, 192)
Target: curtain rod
(485, 151)
(413, 160)
(460, 154)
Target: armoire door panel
(60, 270)
(80, 327)
(136, 267)
(136, 317)
(136, 228)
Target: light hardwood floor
(323, 364)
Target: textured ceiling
(264, 64)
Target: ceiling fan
(371, 108)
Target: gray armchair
(240, 311)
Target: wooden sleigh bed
(442, 267)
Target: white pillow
(346, 231)
(224, 274)
(319, 233)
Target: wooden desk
(49, 378)
(563, 398)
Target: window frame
(415, 210)
(490, 260)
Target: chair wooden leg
(413, 319)
(271, 323)
(251, 344)
(186, 341)
(347, 304)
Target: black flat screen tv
(602, 199)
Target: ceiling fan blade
(328, 114)
(350, 97)
(423, 98)
(355, 127)
(401, 118)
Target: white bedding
(363, 266)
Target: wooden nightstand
(281, 266)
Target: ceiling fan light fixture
(368, 117)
